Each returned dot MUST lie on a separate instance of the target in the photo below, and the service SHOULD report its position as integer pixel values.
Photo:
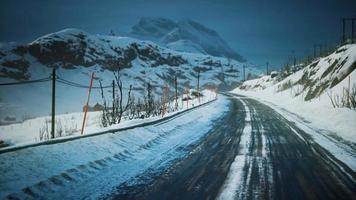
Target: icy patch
(233, 181)
(341, 152)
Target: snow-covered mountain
(184, 35)
(77, 53)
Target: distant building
(96, 107)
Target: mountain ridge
(167, 32)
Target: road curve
(252, 152)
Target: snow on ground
(299, 92)
(95, 165)
(332, 128)
(319, 112)
(28, 132)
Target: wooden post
(183, 92)
(53, 102)
(165, 99)
(198, 85)
(113, 114)
(348, 92)
(343, 30)
(314, 51)
(87, 103)
(187, 92)
(244, 72)
(176, 91)
(353, 30)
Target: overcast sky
(259, 30)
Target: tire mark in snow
(282, 161)
(328, 139)
(200, 173)
(277, 163)
(250, 175)
(234, 179)
(301, 167)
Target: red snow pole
(87, 104)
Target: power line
(26, 82)
(73, 84)
(60, 80)
(70, 83)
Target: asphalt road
(252, 152)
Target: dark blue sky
(259, 30)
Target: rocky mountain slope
(184, 35)
(322, 94)
(331, 74)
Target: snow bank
(306, 92)
(28, 132)
(94, 166)
(318, 112)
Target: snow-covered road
(233, 148)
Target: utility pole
(198, 85)
(113, 102)
(243, 66)
(113, 93)
(53, 101)
(238, 72)
(223, 73)
(165, 99)
(314, 50)
(353, 30)
(176, 90)
(343, 30)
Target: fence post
(87, 104)
(53, 102)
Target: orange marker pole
(87, 104)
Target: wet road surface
(252, 152)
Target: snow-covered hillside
(77, 53)
(316, 93)
(184, 35)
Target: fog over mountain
(183, 35)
